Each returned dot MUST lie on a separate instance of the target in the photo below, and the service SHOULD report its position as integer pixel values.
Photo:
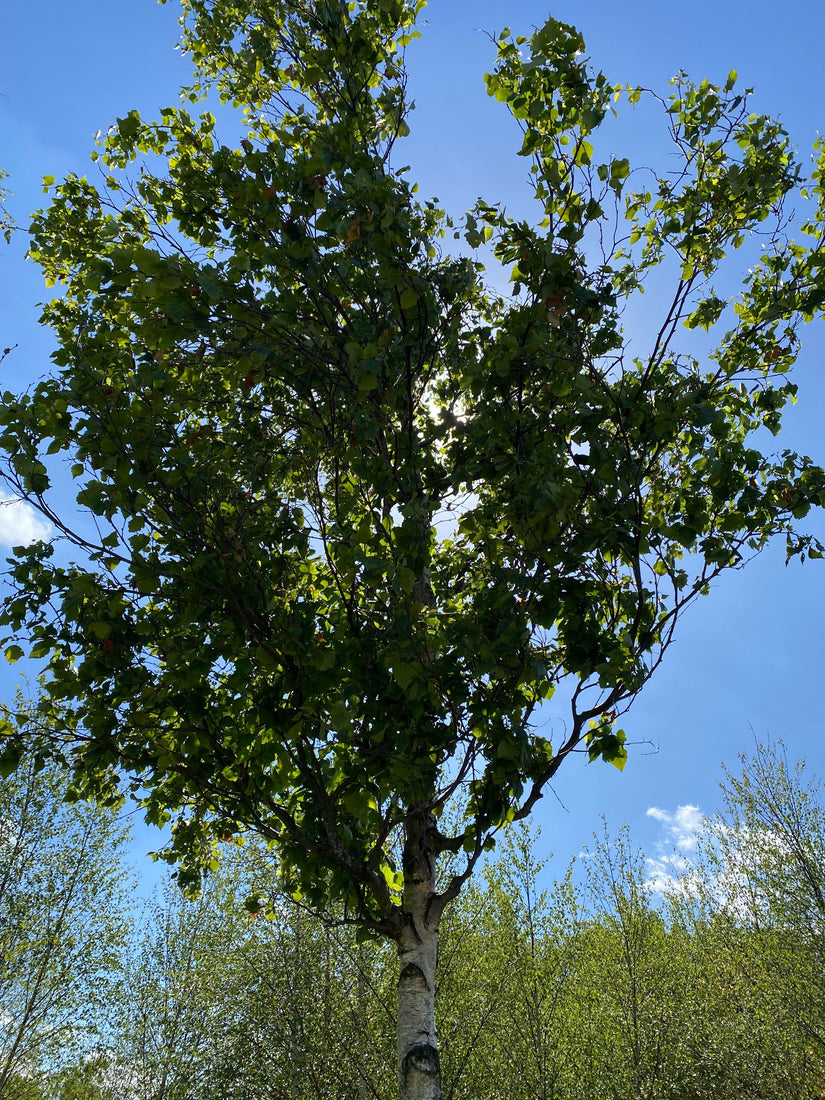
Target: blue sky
(749, 658)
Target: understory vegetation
(587, 985)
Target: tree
(88, 1079)
(62, 926)
(763, 873)
(675, 1000)
(630, 981)
(223, 1005)
(179, 1002)
(352, 516)
(512, 949)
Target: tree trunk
(419, 1070)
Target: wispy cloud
(682, 828)
(671, 861)
(20, 525)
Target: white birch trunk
(419, 1071)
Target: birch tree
(351, 515)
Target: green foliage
(224, 1004)
(357, 515)
(570, 989)
(764, 872)
(62, 925)
(186, 994)
(85, 1080)
(513, 950)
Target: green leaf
(10, 757)
(404, 674)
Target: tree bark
(419, 1069)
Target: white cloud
(672, 864)
(683, 827)
(20, 524)
(667, 873)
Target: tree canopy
(349, 515)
